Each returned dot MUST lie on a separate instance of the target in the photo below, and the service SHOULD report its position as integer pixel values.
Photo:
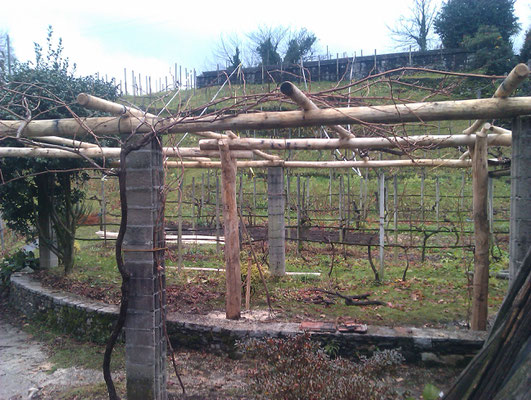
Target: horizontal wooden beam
(110, 152)
(387, 114)
(407, 143)
(507, 87)
(325, 164)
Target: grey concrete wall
(145, 347)
(275, 220)
(339, 68)
(520, 223)
(92, 320)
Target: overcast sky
(151, 36)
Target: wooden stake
(481, 234)
(232, 240)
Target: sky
(150, 37)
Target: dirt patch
(25, 370)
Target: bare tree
(7, 55)
(416, 28)
(265, 42)
(229, 52)
(301, 44)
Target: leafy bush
(14, 263)
(298, 368)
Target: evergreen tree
(460, 18)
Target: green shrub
(14, 263)
(298, 368)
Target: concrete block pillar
(47, 258)
(145, 345)
(275, 220)
(520, 224)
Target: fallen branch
(354, 300)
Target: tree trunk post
(275, 220)
(481, 233)
(145, 347)
(232, 238)
(520, 222)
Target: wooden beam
(111, 152)
(99, 104)
(435, 163)
(233, 298)
(294, 93)
(388, 114)
(411, 142)
(481, 233)
(64, 141)
(509, 85)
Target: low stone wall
(92, 320)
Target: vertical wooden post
(437, 200)
(133, 83)
(422, 178)
(103, 211)
(340, 208)
(240, 201)
(202, 208)
(232, 239)
(395, 215)
(481, 233)
(307, 193)
(382, 223)
(254, 192)
(288, 181)
(490, 194)
(180, 229)
(125, 81)
(208, 186)
(2, 234)
(330, 190)
(217, 215)
(193, 203)
(298, 214)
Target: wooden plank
(232, 240)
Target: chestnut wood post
(232, 238)
(481, 233)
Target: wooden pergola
(219, 141)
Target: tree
(415, 29)
(265, 44)
(229, 51)
(43, 90)
(525, 51)
(491, 54)
(7, 55)
(299, 46)
(459, 18)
